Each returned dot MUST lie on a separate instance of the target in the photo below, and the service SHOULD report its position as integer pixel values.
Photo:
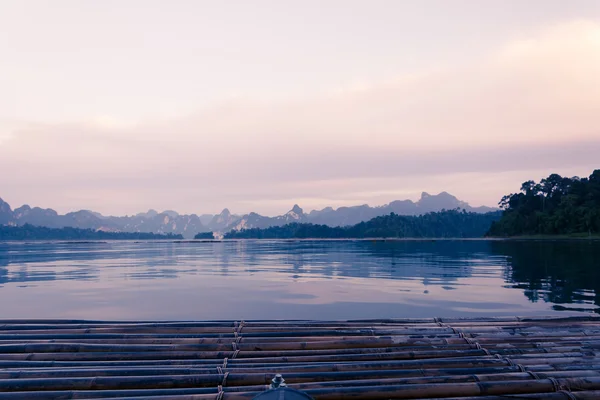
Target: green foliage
(30, 232)
(443, 224)
(555, 206)
(204, 235)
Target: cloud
(534, 102)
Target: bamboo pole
(585, 395)
(401, 321)
(257, 378)
(172, 393)
(351, 359)
(542, 386)
(138, 381)
(334, 344)
(469, 362)
(388, 356)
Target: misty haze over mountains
(189, 225)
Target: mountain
(6, 213)
(160, 223)
(220, 221)
(296, 214)
(171, 222)
(206, 218)
(443, 224)
(149, 214)
(248, 221)
(316, 213)
(36, 216)
(171, 213)
(254, 220)
(345, 216)
(167, 222)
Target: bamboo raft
(479, 358)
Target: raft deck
(476, 358)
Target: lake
(156, 280)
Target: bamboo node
(557, 386)
(506, 359)
(486, 351)
(237, 327)
(225, 379)
(534, 375)
(568, 394)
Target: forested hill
(30, 232)
(555, 206)
(443, 224)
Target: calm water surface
(297, 280)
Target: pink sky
(106, 110)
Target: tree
(557, 205)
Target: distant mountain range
(189, 225)
(166, 222)
(345, 216)
(442, 224)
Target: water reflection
(348, 279)
(430, 262)
(559, 272)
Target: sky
(121, 106)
